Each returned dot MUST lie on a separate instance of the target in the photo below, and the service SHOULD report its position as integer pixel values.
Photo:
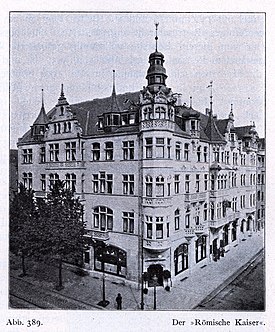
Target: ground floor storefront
(167, 265)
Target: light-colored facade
(165, 187)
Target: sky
(81, 50)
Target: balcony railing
(40, 194)
(100, 235)
(195, 197)
(157, 123)
(65, 164)
(156, 245)
(159, 201)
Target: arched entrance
(155, 270)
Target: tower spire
(211, 96)
(42, 99)
(156, 38)
(114, 82)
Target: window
(199, 154)
(42, 154)
(27, 180)
(56, 128)
(159, 227)
(181, 258)
(177, 219)
(70, 150)
(103, 218)
(205, 211)
(169, 148)
(82, 151)
(212, 210)
(205, 153)
(128, 222)
(128, 150)
(187, 183)
(53, 179)
(128, 182)
(132, 119)
(27, 156)
(54, 152)
(149, 147)
(186, 151)
(177, 184)
(159, 147)
(160, 112)
(197, 183)
(109, 151)
(205, 182)
(148, 186)
(149, 227)
(178, 151)
(227, 157)
(235, 158)
(187, 218)
(212, 181)
(95, 151)
(70, 182)
(103, 183)
(216, 153)
(160, 186)
(200, 248)
(43, 182)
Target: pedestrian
(119, 301)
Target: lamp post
(103, 302)
(155, 282)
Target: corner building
(165, 187)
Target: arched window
(148, 186)
(181, 258)
(160, 186)
(103, 218)
(177, 219)
(200, 245)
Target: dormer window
(116, 119)
(132, 119)
(61, 110)
(100, 123)
(108, 120)
(193, 125)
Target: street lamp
(155, 282)
(103, 302)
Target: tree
(22, 231)
(64, 226)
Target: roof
(42, 118)
(212, 131)
(243, 131)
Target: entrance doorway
(155, 270)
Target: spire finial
(232, 108)
(211, 96)
(191, 101)
(62, 92)
(114, 81)
(156, 38)
(43, 98)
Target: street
(246, 292)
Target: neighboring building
(165, 186)
(260, 184)
(13, 174)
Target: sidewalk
(184, 295)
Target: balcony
(157, 124)
(65, 164)
(160, 201)
(189, 233)
(195, 197)
(219, 193)
(217, 223)
(156, 245)
(100, 235)
(199, 229)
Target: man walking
(119, 301)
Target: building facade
(164, 186)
